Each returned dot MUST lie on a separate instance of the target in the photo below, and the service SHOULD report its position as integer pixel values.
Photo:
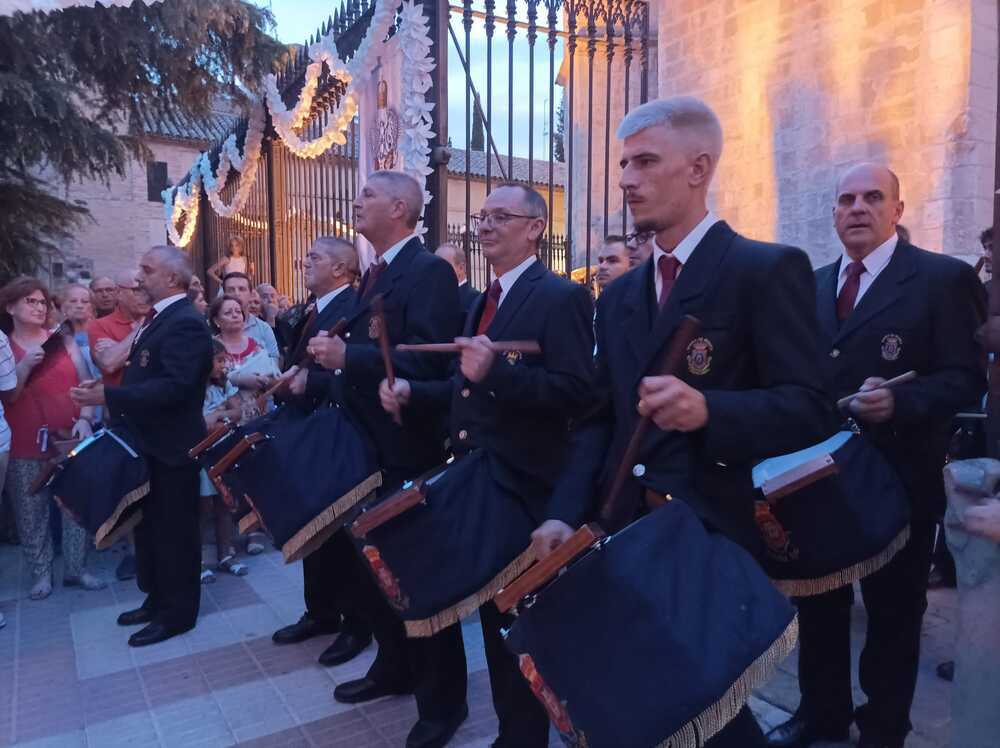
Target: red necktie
(490, 310)
(149, 316)
(668, 266)
(371, 275)
(849, 293)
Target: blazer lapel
(638, 309)
(702, 266)
(519, 292)
(158, 322)
(884, 292)
(472, 318)
(826, 299)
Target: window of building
(156, 180)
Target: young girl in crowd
(221, 402)
(235, 261)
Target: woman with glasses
(40, 414)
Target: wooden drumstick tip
(888, 384)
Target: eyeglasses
(128, 288)
(495, 219)
(32, 301)
(639, 237)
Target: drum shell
(703, 626)
(839, 529)
(102, 485)
(306, 464)
(452, 546)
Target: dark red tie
(849, 293)
(490, 310)
(149, 316)
(668, 266)
(371, 275)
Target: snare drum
(829, 515)
(445, 543)
(702, 626)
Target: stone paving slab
(68, 677)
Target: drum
(445, 543)
(101, 483)
(829, 515)
(702, 623)
(301, 474)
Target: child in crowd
(221, 403)
(235, 261)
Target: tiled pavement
(68, 678)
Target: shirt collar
(875, 260)
(682, 252)
(326, 298)
(252, 321)
(508, 279)
(390, 254)
(162, 304)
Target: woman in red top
(40, 413)
(247, 365)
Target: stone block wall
(806, 87)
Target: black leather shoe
(135, 617)
(799, 733)
(365, 689)
(154, 633)
(345, 648)
(436, 733)
(946, 671)
(304, 628)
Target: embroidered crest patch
(777, 539)
(386, 579)
(699, 356)
(512, 357)
(374, 328)
(892, 347)
(144, 358)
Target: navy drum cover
(839, 529)
(101, 485)
(305, 477)
(438, 562)
(656, 638)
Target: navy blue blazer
(162, 392)
(340, 307)
(420, 301)
(521, 412)
(920, 313)
(755, 361)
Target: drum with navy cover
(441, 559)
(101, 484)
(303, 475)
(847, 520)
(704, 627)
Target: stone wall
(806, 87)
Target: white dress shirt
(158, 307)
(390, 254)
(326, 298)
(508, 279)
(874, 264)
(682, 252)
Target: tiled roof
(477, 168)
(178, 126)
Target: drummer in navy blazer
(750, 382)
(886, 307)
(516, 408)
(420, 300)
(160, 399)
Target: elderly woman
(247, 364)
(39, 413)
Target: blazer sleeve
(789, 410)
(957, 376)
(183, 352)
(563, 384)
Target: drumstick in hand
(281, 381)
(497, 346)
(383, 344)
(889, 383)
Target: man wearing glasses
(105, 293)
(640, 247)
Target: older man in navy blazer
(160, 399)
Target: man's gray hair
(685, 113)
(454, 252)
(177, 262)
(125, 278)
(532, 199)
(401, 186)
(338, 250)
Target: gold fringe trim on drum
(465, 608)
(314, 534)
(844, 577)
(108, 534)
(710, 722)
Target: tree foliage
(76, 83)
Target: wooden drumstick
(613, 507)
(262, 398)
(383, 344)
(889, 383)
(497, 346)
